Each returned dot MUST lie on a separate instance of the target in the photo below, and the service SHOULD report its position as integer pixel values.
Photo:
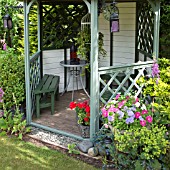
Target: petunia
(104, 112)
(121, 114)
(143, 107)
(120, 104)
(149, 119)
(137, 104)
(141, 118)
(144, 112)
(130, 112)
(106, 126)
(125, 108)
(111, 118)
(113, 109)
(130, 120)
(143, 123)
(80, 105)
(137, 115)
(117, 96)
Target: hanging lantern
(114, 19)
(7, 21)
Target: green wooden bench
(49, 85)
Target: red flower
(80, 105)
(86, 119)
(87, 109)
(85, 103)
(72, 105)
(88, 114)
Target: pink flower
(144, 112)
(121, 103)
(149, 119)
(137, 99)
(104, 112)
(127, 97)
(113, 109)
(143, 123)
(137, 115)
(106, 126)
(117, 96)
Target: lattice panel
(121, 80)
(34, 80)
(61, 24)
(145, 26)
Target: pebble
(53, 137)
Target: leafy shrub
(12, 78)
(12, 122)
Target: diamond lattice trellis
(145, 26)
(61, 23)
(122, 80)
(34, 79)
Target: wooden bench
(49, 85)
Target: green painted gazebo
(145, 40)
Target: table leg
(73, 85)
(67, 83)
(81, 81)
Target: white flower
(143, 107)
(137, 104)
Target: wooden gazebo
(146, 44)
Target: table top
(68, 63)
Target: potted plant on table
(83, 116)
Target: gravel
(51, 137)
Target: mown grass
(20, 155)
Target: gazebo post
(156, 9)
(94, 82)
(27, 62)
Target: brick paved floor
(64, 118)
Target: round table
(74, 72)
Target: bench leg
(52, 103)
(38, 96)
(57, 94)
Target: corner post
(27, 62)
(94, 83)
(156, 9)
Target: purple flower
(1, 95)
(125, 108)
(141, 118)
(129, 112)
(130, 120)
(121, 114)
(111, 118)
(133, 108)
(155, 70)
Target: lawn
(20, 155)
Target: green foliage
(140, 148)
(83, 41)
(72, 149)
(165, 29)
(12, 77)
(13, 123)
(159, 92)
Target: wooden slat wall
(51, 65)
(123, 41)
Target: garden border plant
(12, 77)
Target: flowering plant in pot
(139, 141)
(83, 115)
(83, 112)
(127, 112)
